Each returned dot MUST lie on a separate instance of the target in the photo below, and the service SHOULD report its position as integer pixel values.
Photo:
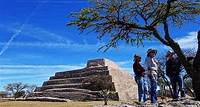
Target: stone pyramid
(69, 84)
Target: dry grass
(50, 104)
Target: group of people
(149, 72)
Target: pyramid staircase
(71, 85)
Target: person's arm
(138, 69)
(153, 64)
(142, 70)
(179, 66)
(135, 69)
(147, 64)
(167, 68)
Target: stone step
(64, 81)
(75, 85)
(73, 80)
(68, 90)
(49, 99)
(80, 71)
(81, 74)
(80, 96)
(67, 95)
(97, 93)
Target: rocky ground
(170, 103)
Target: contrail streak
(6, 46)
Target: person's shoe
(175, 99)
(182, 98)
(155, 104)
(141, 103)
(145, 103)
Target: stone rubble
(188, 102)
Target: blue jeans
(142, 89)
(153, 91)
(177, 79)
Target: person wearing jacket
(173, 71)
(152, 67)
(139, 78)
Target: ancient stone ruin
(70, 85)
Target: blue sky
(42, 44)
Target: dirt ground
(50, 104)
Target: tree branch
(166, 30)
(168, 8)
(131, 25)
(157, 35)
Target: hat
(152, 50)
(136, 56)
(170, 52)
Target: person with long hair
(152, 67)
(139, 78)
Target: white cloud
(23, 77)
(71, 46)
(38, 33)
(48, 39)
(44, 38)
(189, 41)
(33, 71)
(68, 67)
(31, 74)
(28, 30)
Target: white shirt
(151, 65)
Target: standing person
(152, 68)
(173, 71)
(139, 78)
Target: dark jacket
(173, 67)
(138, 69)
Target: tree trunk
(175, 46)
(196, 72)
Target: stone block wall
(69, 84)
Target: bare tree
(17, 89)
(134, 21)
(29, 90)
(103, 84)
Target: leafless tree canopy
(135, 20)
(19, 89)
